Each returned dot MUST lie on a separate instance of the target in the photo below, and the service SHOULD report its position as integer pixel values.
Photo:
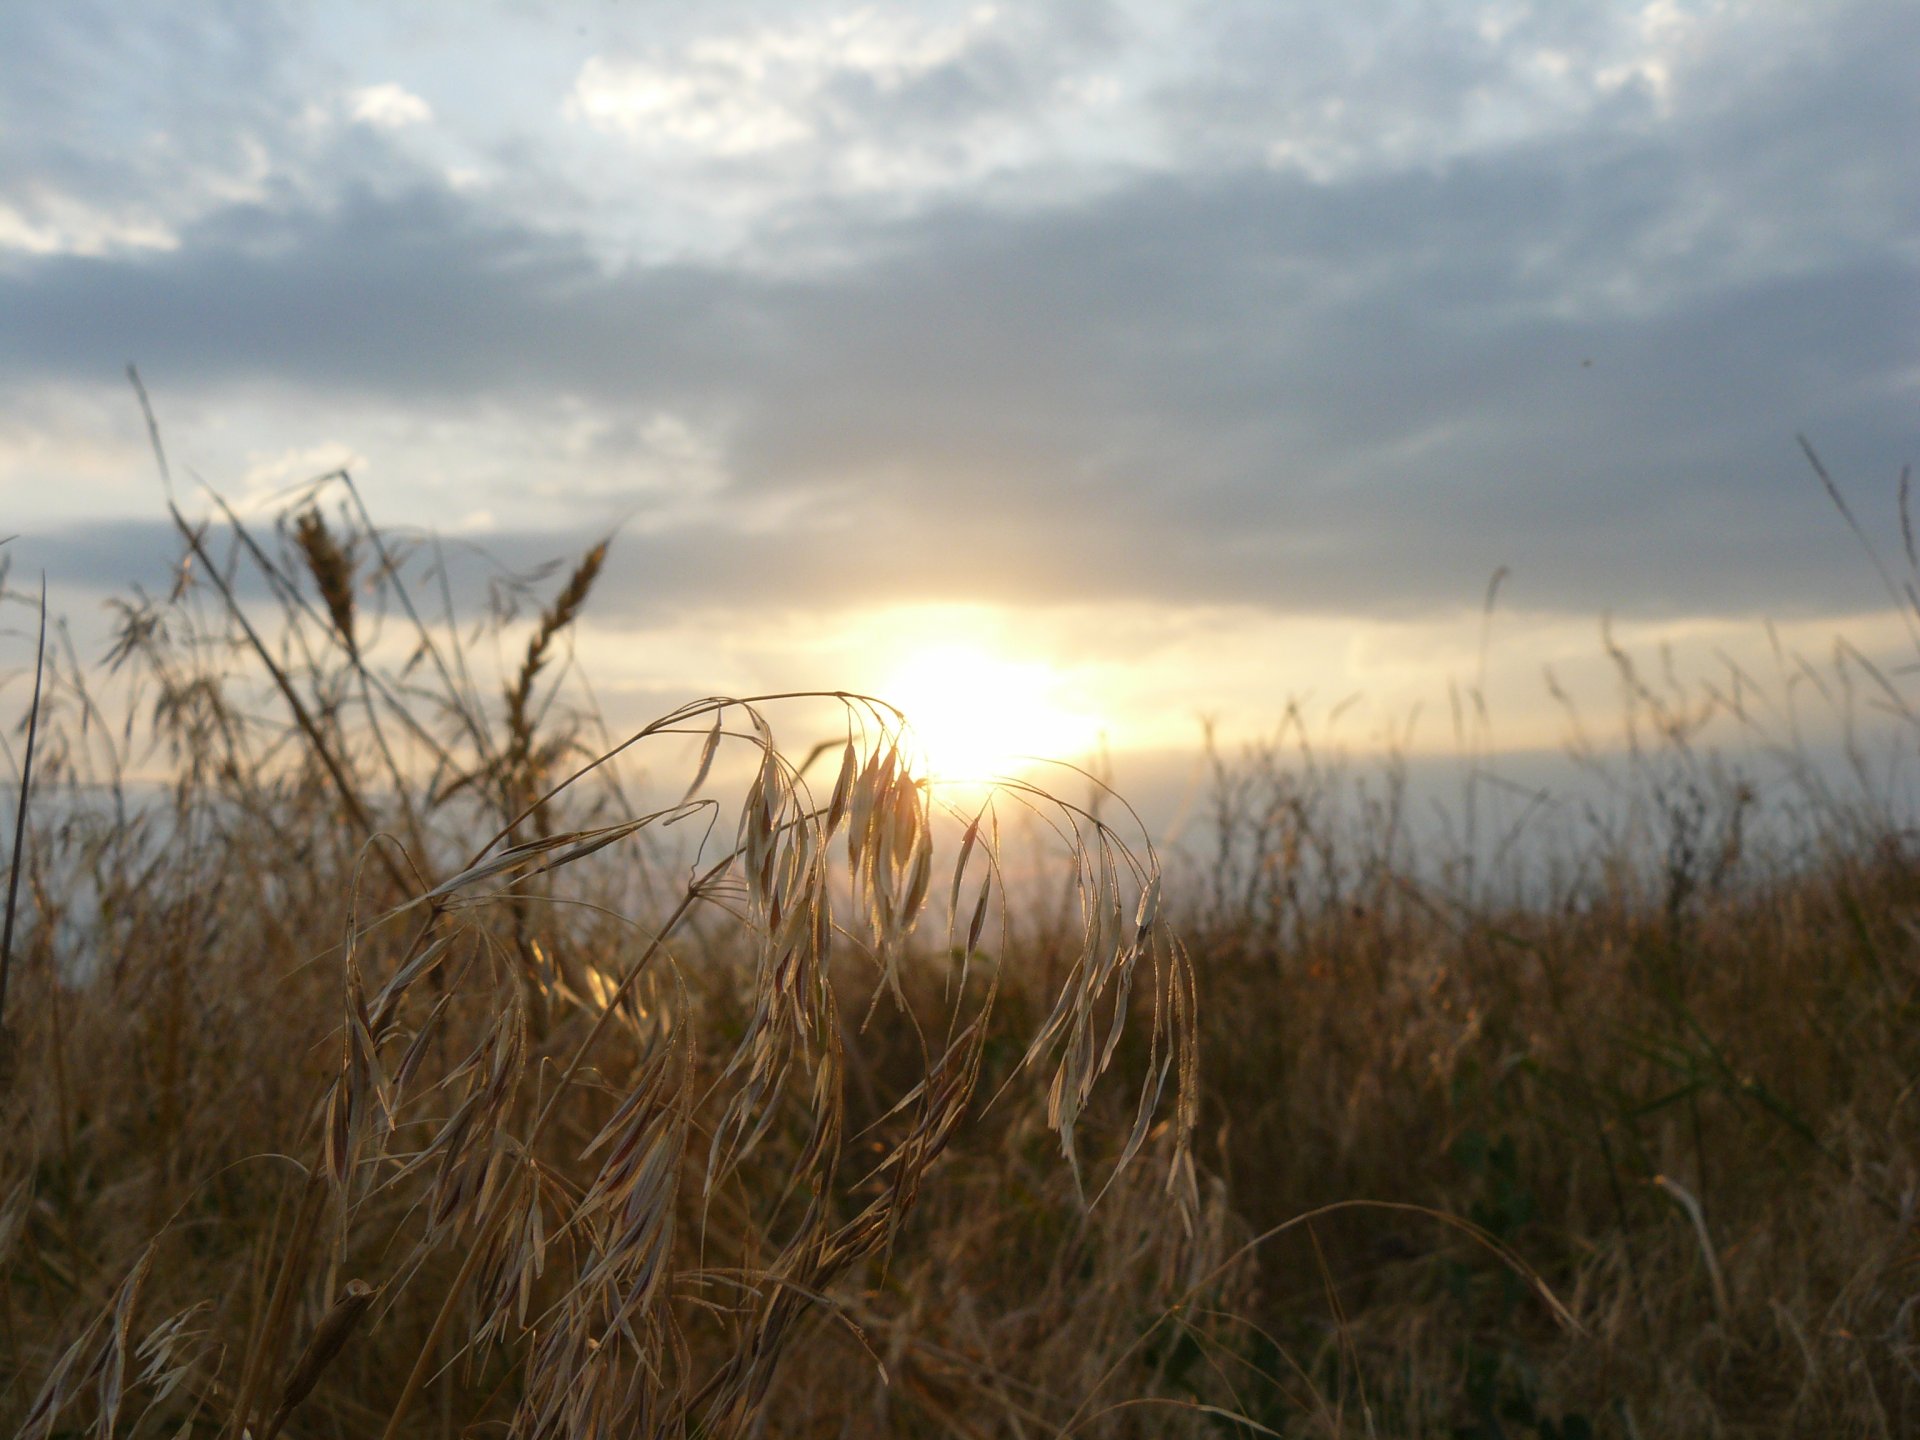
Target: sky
(1137, 362)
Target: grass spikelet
(336, 1327)
(557, 616)
(332, 568)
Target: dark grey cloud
(418, 297)
(1585, 357)
(1655, 561)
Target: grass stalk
(15, 865)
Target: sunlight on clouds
(65, 226)
(742, 94)
(652, 105)
(387, 107)
(1125, 675)
(46, 215)
(745, 120)
(1663, 30)
(980, 687)
(269, 476)
(985, 685)
(978, 714)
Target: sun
(978, 716)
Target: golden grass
(377, 1075)
(1658, 1043)
(387, 1072)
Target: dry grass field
(375, 1066)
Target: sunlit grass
(382, 1075)
(381, 1063)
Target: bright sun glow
(977, 715)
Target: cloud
(270, 479)
(387, 107)
(1376, 85)
(118, 123)
(60, 224)
(871, 102)
(653, 104)
(775, 85)
(1307, 399)
(1579, 348)
(121, 126)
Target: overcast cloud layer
(1301, 308)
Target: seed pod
(327, 1338)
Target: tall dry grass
(1677, 1083)
(389, 1070)
(375, 1075)
(1654, 1033)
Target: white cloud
(269, 477)
(728, 128)
(387, 107)
(50, 213)
(1660, 34)
(60, 225)
(653, 105)
(729, 95)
